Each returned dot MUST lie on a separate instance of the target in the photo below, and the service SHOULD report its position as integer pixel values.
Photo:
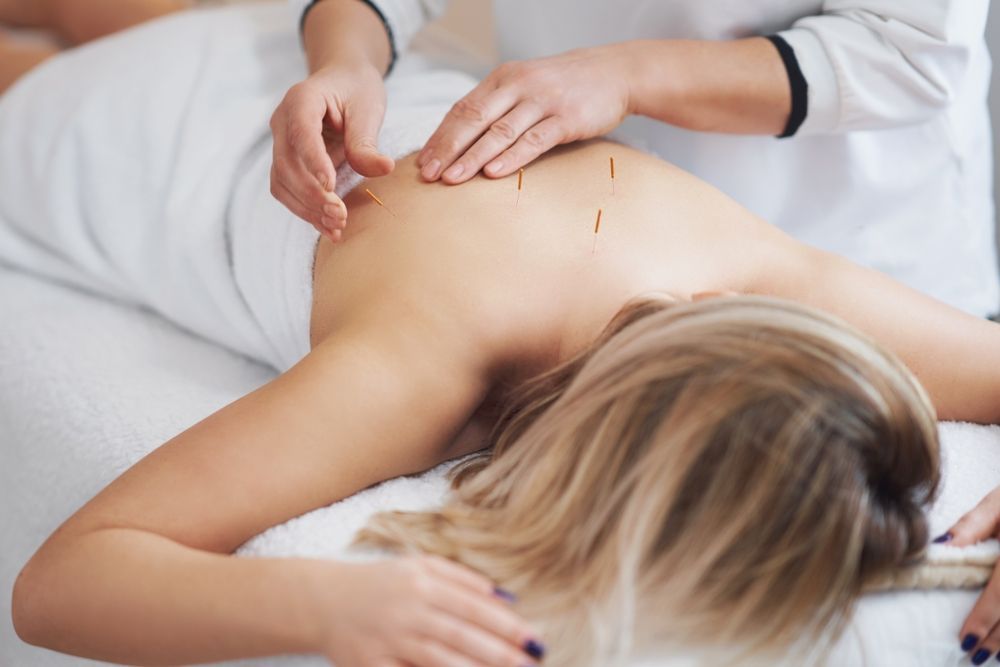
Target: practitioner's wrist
(737, 86)
(344, 33)
(654, 82)
(348, 70)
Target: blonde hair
(734, 471)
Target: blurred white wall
(993, 37)
(472, 22)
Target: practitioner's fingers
(280, 192)
(534, 143)
(301, 161)
(328, 225)
(362, 121)
(500, 136)
(464, 124)
(334, 142)
(977, 525)
(319, 207)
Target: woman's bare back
(524, 272)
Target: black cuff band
(799, 87)
(381, 16)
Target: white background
(994, 40)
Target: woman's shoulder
(530, 265)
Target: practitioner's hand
(524, 109)
(980, 634)
(423, 612)
(333, 116)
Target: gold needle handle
(374, 198)
(597, 230)
(380, 202)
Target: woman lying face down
(735, 470)
(732, 471)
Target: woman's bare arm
(955, 356)
(138, 575)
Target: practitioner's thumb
(362, 123)
(977, 525)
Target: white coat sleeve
(872, 64)
(403, 19)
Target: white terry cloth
(88, 387)
(137, 167)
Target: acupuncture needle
(612, 176)
(597, 230)
(520, 185)
(379, 202)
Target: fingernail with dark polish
(534, 649)
(980, 657)
(969, 641)
(944, 539)
(505, 595)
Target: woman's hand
(422, 612)
(981, 632)
(333, 116)
(524, 109)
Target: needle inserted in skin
(612, 175)
(597, 230)
(520, 185)
(379, 202)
